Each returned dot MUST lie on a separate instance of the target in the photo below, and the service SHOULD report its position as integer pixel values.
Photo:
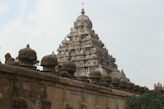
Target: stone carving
(67, 106)
(49, 63)
(19, 103)
(67, 69)
(84, 106)
(83, 47)
(118, 79)
(106, 80)
(27, 57)
(29, 96)
(58, 68)
(10, 61)
(122, 84)
(95, 77)
(129, 86)
(46, 104)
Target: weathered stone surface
(30, 89)
(83, 47)
(70, 67)
(83, 78)
(5, 93)
(27, 57)
(49, 63)
(10, 61)
(95, 77)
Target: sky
(132, 31)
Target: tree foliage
(150, 100)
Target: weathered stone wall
(21, 88)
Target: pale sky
(132, 31)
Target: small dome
(83, 22)
(69, 67)
(27, 53)
(49, 60)
(95, 75)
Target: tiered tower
(83, 47)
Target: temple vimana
(83, 75)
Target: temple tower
(83, 47)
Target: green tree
(150, 100)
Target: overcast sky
(132, 31)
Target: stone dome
(27, 54)
(49, 60)
(83, 23)
(69, 67)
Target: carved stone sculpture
(106, 80)
(84, 106)
(19, 103)
(58, 68)
(67, 106)
(10, 61)
(122, 84)
(130, 87)
(49, 63)
(95, 77)
(46, 104)
(69, 66)
(27, 57)
(118, 79)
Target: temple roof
(83, 22)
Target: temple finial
(82, 11)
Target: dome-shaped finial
(82, 11)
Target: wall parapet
(25, 85)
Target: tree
(150, 100)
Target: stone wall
(22, 88)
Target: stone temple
(83, 47)
(81, 76)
